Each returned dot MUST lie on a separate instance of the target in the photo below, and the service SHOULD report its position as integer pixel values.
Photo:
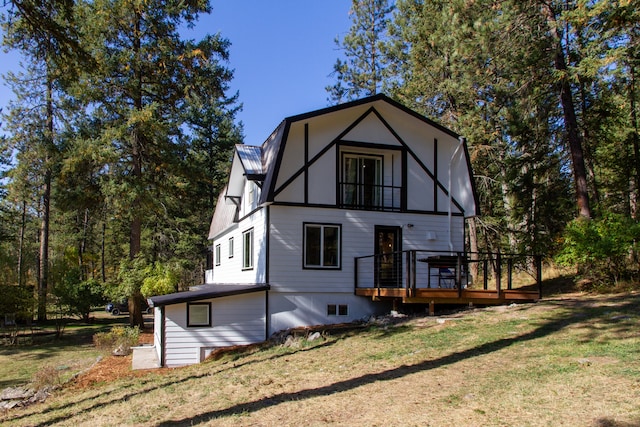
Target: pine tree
(362, 72)
(144, 78)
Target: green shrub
(120, 338)
(603, 250)
(160, 279)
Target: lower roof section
(218, 290)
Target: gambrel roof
(376, 120)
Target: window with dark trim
(198, 314)
(218, 254)
(247, 249)
(322, 246)
(337, 310)
(230, 247)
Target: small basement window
(198, 314)
(337, 310)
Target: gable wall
(420, 138)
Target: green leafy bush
(120, 339)
(603, 250)
(160, 279)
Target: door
(388, 251)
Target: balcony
(370, 197)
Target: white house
(369, 177)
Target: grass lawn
(40, 349)
(570, 360)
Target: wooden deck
(450, 296)
(428, 277)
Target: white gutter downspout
(453, 156)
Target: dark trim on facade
(378, 97)
(306, 162)
(318, 205)
(267, 243)
(271, 193)
(405, 184)
(315, 158)
(369, 145)
(256, 177)
(435, 173)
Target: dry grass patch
(565, 361)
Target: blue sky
(282, 52)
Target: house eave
(206, 292)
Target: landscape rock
(16, 393)
(314, 336)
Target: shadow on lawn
(577, 312)
(154, 385)
(582, 312)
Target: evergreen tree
(144, 79)
(362, 72)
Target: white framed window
(218, 254)
(230, 247)
(198, 314)
(322, 246)
(247, 249)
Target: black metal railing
(370, 197)
(426, 269)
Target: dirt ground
(112, 367)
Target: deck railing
(426, 269)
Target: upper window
(198, 314)
(217, 254)
(247, 249)
(361, 180)
(230, 247)
(322, 246)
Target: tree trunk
(570, 120)
(635, 192)
(23, 226)
(135, 230)
(43, 277)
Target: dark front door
(388, 251)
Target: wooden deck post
(432, 308)
(485, 267)
(539, 274)
(509, 272)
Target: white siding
(235, 320)
(230, 269)
(323, 180)
(286, 244)
(310, 309)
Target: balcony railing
(416, 272)
(370, 197)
